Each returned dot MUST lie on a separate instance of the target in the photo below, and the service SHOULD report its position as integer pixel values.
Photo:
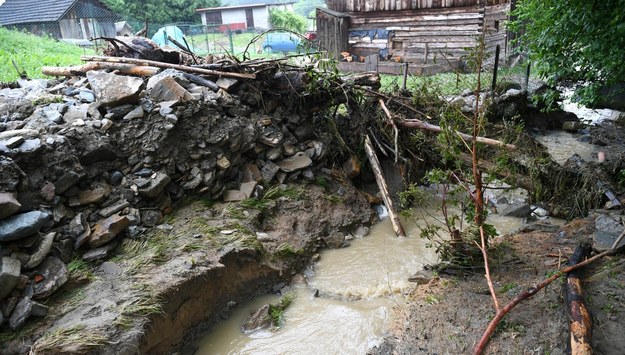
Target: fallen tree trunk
(129, 69)
(184, 68)
(379, 177)
(415, 123)
(580, 320)
(481, 345)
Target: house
(243, 14)
(61, 19)
(417, 31)
(123, 28)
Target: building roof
(24, 11)
(241, 4)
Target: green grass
(449, 83)
(31, 52)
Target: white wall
(233, 16)
(261, 17)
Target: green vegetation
(30, 53)
(287, 19)
(160, 11)
(276, 310)
(79, 270)
(579, 42)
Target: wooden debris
(129, 69)
(416, 123)
(580, 319)
(379, 177)
(184, 68)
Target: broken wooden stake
(185, 68)
(129, 69)
(379, 177)
(580, 319)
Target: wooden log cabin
(413, 31)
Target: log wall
(427, 35)
(393, 5)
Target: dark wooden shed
(415, 31)
(62, 19)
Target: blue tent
(160, 37)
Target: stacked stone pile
(90, 160)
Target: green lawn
(31, 52)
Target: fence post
(527, 75)
(492, 88)
(231, 42)
(405, 69)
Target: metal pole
(492, 88)
(405, 67)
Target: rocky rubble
(89, 160)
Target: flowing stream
(358, 287)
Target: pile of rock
(88, 161)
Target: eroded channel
(357, 288)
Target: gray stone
(308, 174)
(223, 163)
(14, 142)
(247, 188)
(422, 277)
(99, 253)
(53, 115)
(30, 146)
(21, 256)
(135, 113)
(361, 232)
(79, 230)
(174, 74)
(609, 224)
(296, 162)
(520, 210)
(234, 195)
(8, 204)
(9, 275)
(273, 153)
(43, 249)
(116, 177)
(86, 96)
(111, 89)
(603, 241)
(156, 186)
(22, 225)
(226, 83)
(66, 181)
(76, 113)
(571, 126)
(114, 208)
(24, 309)
(107, 229)
(48, 191)
(167, 89)
(119, 111)
(55, 275)
(269, 171)
(194, 182)
(261, 319)
(151, 218)
(110, 268)
(334, 240)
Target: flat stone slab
(9, 274)
(22, 225)
(54, 274)
(43, 249)
(296, 162)
(8, 204)
(602, 241)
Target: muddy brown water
(358, 287)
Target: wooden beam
(130, 69)
(185, 68)
(379, 177)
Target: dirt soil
(449, 314)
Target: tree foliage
(287, 19)
(306, 8)
(159, 11)
(575, 41)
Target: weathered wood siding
(333, 32)
(393, 5)
(426, 35)
(87, 19)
